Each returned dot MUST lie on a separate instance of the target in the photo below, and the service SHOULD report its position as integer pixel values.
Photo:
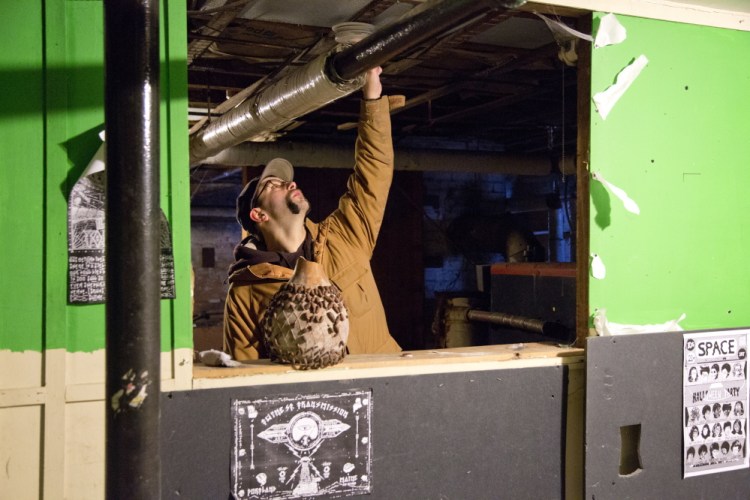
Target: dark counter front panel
(490, 434)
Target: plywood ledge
(462, 359)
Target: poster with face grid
(715, 397)
(302, 446)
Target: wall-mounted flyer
(86, 238)
(715, 395)
(302, 446)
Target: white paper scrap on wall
(607, 99)
(604, 327)
(598, 270)
(561, 31)
(630, 205)
(99, 160)
(610, 32)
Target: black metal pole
(430, 19)
(131, 111)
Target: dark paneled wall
(637, 380)
(492, 434)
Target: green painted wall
(52, 111)
(677, 143)
(22, 180)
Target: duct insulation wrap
(275, 107)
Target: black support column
(133, 469)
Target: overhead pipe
(297, 94)
(430, 19)
(133, 346)
(308, 154)
(332, 76)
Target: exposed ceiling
(491, 85)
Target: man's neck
(285, 239)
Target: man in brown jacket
(273, 211)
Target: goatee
(295, 207)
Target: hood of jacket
(251, 251)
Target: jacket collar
(260, 272)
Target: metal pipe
(547, 328)
(424, 22)
(305, 154)
(301, 92)
(332, 76)
(131, 112)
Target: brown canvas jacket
(343, 243)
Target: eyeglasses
(274, 184)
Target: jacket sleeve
(360, 211)
(240, 326)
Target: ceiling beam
(213, 29)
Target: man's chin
(298, 206)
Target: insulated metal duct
(332, 76)
(301, 92)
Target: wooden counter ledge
(262, 372)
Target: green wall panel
(175, 181)
(22, 179)
(52, 112)
(86, 324)
(84, 117)
(676, 142)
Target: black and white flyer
(86, 237)
(715, 396)
(302, 446)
